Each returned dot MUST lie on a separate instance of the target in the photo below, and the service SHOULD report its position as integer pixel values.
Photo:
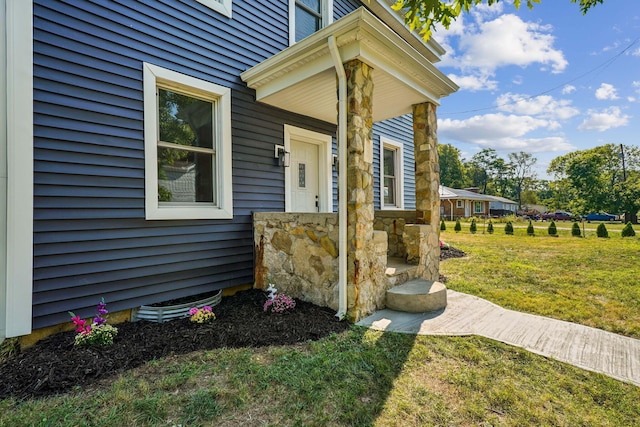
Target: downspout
(342, 177)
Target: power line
(602, 66)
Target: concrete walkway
(588, 348)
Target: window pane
(389, 162)
(389, 191)
(306, 23)
(185, 120)
(311, 4)
(185, 177)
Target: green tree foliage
(594, 180)
(452, 170)
(552, 230)
(601, 231)
(490, 227)
(482, 169)
(575, 230)
(423, 15)
(473, 227)
(523, 174)
(508, 228)
(457, 228)
(628, 230)
(443, 226)
(530, 230)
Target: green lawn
(592, 281)
(371, 378)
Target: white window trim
(154, 75)
(222, 6)
(459, 204)
(325, 160)
(398, 147)
(481, 207)
(16, 236)
(327, 17)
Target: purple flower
(99, 320)
(207, 308)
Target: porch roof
(302, 77)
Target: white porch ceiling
(302, 78)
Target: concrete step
(399, 272)
(417, 296)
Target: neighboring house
(500, 206)
(142, 137)
(456, 203)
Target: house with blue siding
(141, 138)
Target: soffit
(302, 78)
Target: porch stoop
(417, 296)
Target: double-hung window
(391, 175)
(308, 16)
(187, 147)
(478, 207)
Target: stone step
(417, 296)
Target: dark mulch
(54, 365)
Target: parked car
(558, 216)
(602, 216)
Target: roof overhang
(302, 78)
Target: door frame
(325, 160)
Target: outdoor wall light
(334, 162)
(282, 155)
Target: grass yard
(370, 378)
(592, 281)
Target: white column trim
(19, 137)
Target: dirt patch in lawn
(54, 365)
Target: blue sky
(546, 81)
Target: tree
(575, 230)
(594, 180)
(473, 227)
(552, 230)
(423, 15)
(490, 227)
(628, 230)
(523, 174)
(482, 169)
(457, 227)
(601, 231)
(530, 230)
(452, 171)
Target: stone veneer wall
(393, 222)
(298, 253)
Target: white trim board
(17, 74)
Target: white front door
(467, 208)
(304, 171)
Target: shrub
(552, 230)
(508, 229)
(628, 230)
(490, 227)
(602, 231)
(443, 226)
(458, 227)
(575, 230)
(473, 228)
(530, 230)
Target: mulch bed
(54, 365)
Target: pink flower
(207, 308)
(193, 311)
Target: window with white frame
(308, 16)
(459, 204)
(187, 147)
(478, 207)
(222, 6)
(391, 176)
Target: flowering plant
(96, 333)
(202, 315)
(278, 303)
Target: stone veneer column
(427, 169)
(359, 183)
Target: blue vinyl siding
(399, 129)
(91, 239)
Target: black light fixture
(282, 155)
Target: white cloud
(602, 120)
(606, 91)
(567, 89)
(636, 86)
(507, 40)
(543, 106)
(636, 52)
(474, 83)
(490, 127)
